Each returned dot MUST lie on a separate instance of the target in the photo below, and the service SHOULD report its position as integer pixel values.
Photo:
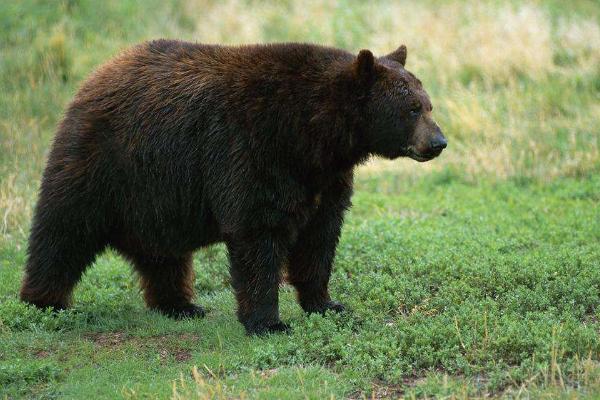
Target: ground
(476, 275)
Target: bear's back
(169, 87)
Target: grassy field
(475, 275)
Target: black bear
(173, 146)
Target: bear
(173, 146)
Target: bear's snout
(430, 146)
(438, 143)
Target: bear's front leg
(311, 258)
(255, 274)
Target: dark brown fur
(173, 146)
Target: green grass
(494, 285)
(475, 275)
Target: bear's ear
(364, 66)
(398, 55)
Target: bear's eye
(415, 111)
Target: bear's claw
(334, 306)
(330, 305)
(277, 327)
(185, 312)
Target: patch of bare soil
(41, 354)
(164, 345)
(107, 339)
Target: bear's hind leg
(168, 284)
(59, 253)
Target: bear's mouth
(422, 157)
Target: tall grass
(515, 85)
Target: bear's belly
(172, 231)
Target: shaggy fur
(173, 146)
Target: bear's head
(398, 110)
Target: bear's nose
(439, 142)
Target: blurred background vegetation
(515, 84)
